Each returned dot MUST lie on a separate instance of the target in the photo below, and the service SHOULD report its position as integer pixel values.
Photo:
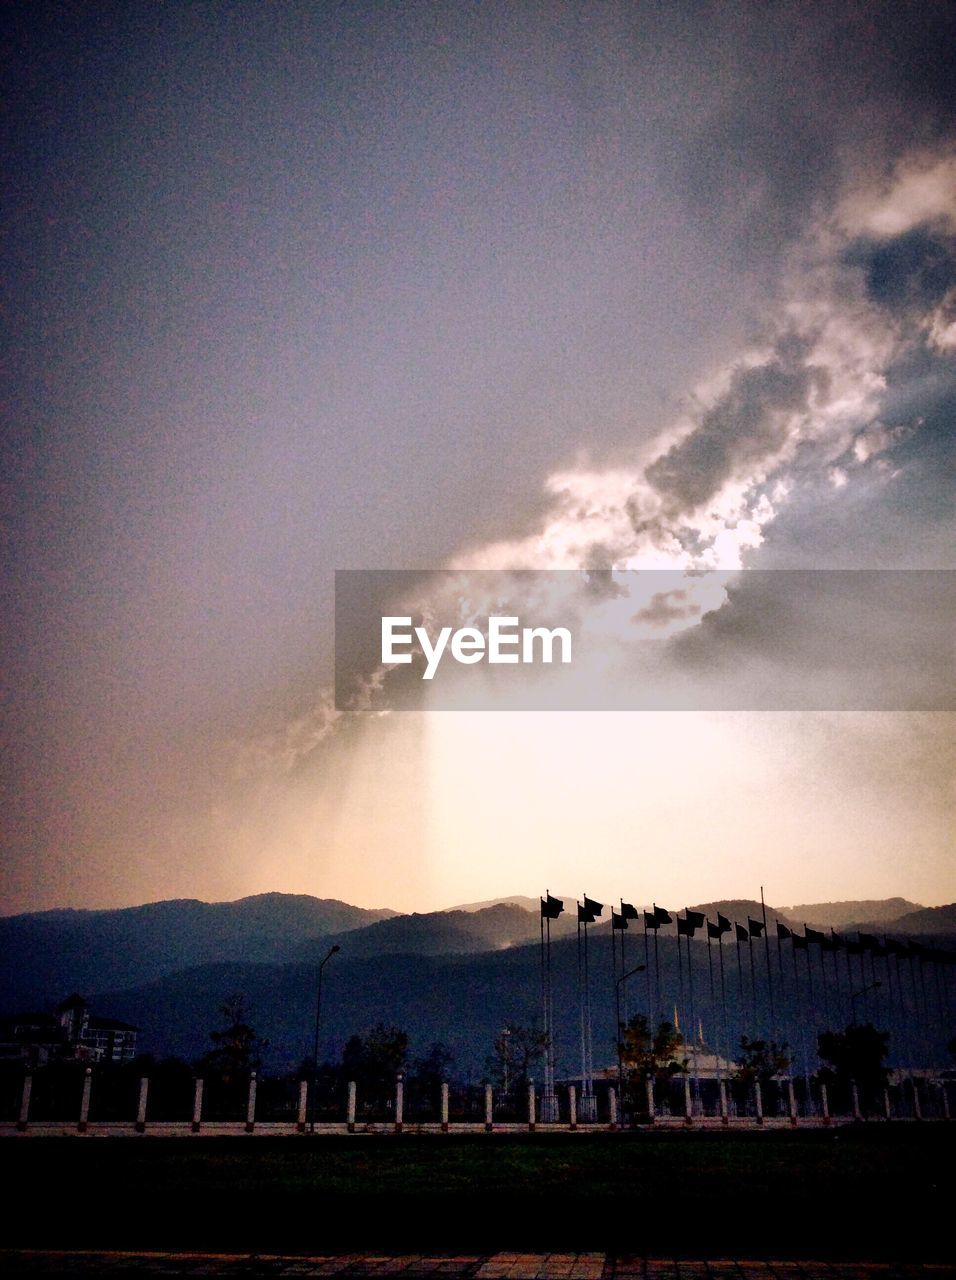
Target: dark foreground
(873, 1192)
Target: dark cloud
(665, 607)
(916, 268)
(749, 422)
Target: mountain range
(457, 975)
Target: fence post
(824, 1104)
(489, 1109)
(612, 1106)
(855, 1100)
(945, 1095)
(688, 1108)
(350, 1111)
(887, 1111)
(722, 1092)
(303, 1106)
(444, 1108)
(399, 1104)
(85, 1100)
(531, 1107)
(649, 1087)
(197, 1105)
(791, 1102)
(251, 1104)
(758, 1101)
(573, 1106)
(24, 1118)
(141, 1107)
(917, 1108)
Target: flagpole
(766, 947)
(738, 929)
(723, 991)
(584, 1057)
(647, 972)
(695, 1078)
(623, 968)
(753, 980)
(657, 965)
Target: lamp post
(315, 1047)
(855, 995)
(620, 1030)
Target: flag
(651, 921)
(854, 948)
(836, 940)
(551, 908)
(629, 912)
(783, 931)
(755, 926)
(685, 928)
(868, 941)
(723, 924)
(696, 918)
(618, 922)
(799, 941)
(585, 916)
(595, 908)
(813, 935)
(742, 934)
(662, 916)
(713, 930)
(891, 946)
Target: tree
(238, 1049)
(855, 1054)
(517, 1050)
(432, 1070)
(652, 1055)
(374, 1060)
(760, 1060)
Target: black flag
(755, 926)
(813, 935)
(662, 916)
(723, 924)
(551, 908)
(799, 941)
(629, 912)
(783, 931)
(742, 934)
(618, 922)
(585, 916)
(696, 918)
(713, 930)
(595, 908)
(685, 928)
(651, 921)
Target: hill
(45, 955)
(835, 915)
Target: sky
(305, 287)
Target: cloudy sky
(302, 287)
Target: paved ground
(497, 1266)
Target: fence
(71, 1102)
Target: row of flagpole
(811, 1000)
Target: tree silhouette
(238, 1048)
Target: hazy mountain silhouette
(45, 955)
(927, 920)
(834, 915)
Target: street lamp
(855, 995)
(315, 1047)
(620, 1029)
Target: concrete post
(758, 1101)
(942, 1089)
(573, 1106)
(855, 1099)
(399, 1104)
(489, 1109)
(612, 1106)
(688, 1106)
(350, 1108)
(531, 1107)
(824, 1104)
(887, 1110)
(791, 1102)
(197, 1106)
(24, 1117)
(444, 1108)
(303, 1106)
(251, 1105)
(649, 1086)
(917, 1108)
(722, 1091)
(141, 1107)
(85, 1100)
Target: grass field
(875, 1192)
